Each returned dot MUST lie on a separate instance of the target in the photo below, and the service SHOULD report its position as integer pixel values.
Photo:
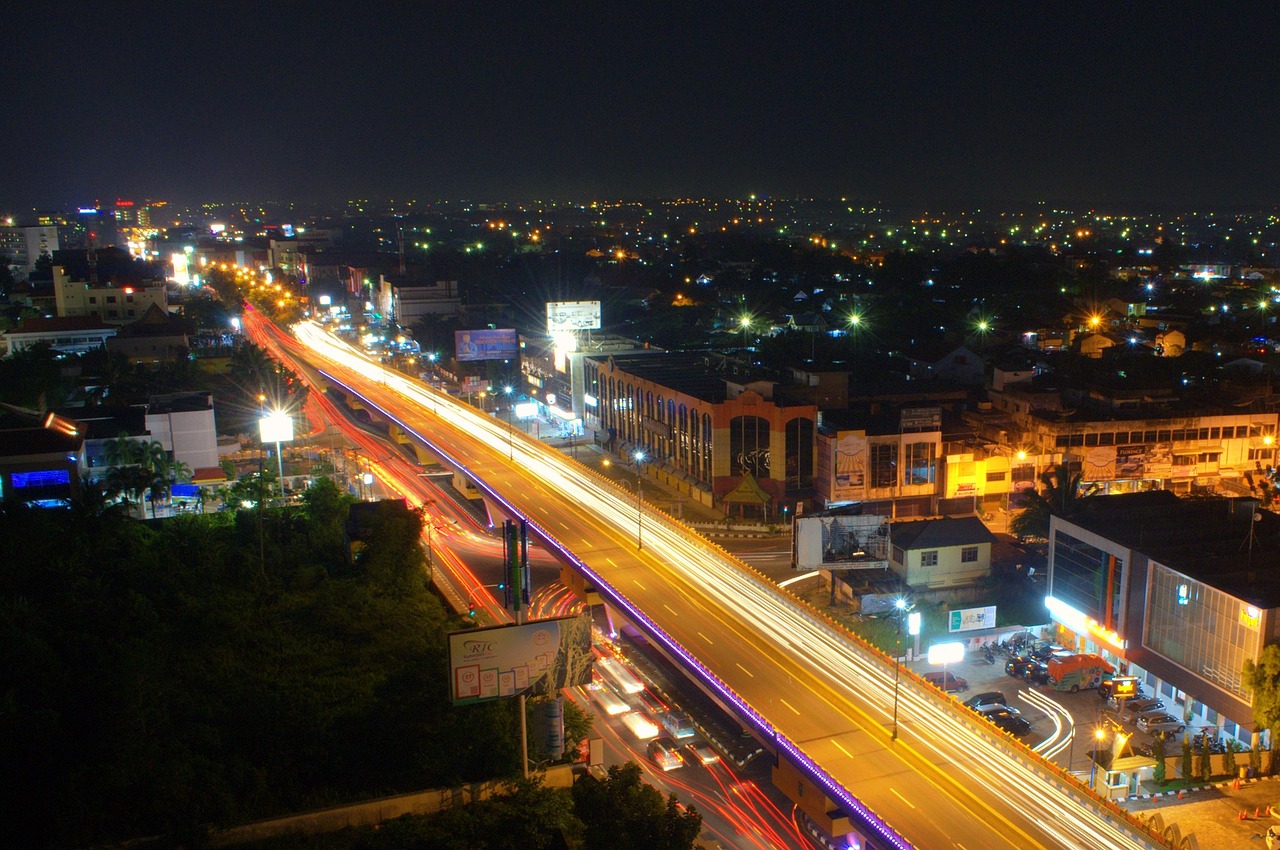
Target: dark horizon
(915, 107)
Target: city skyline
(904, 106)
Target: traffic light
(471, 606)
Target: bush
(1158, 753)
(1229, 760)
(1186, 759)
(1206, 759)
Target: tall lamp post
(639, 459)
(913, 627)
(511, 446)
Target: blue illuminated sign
(41, 478)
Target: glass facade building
(1087, 578)
(1200, 628)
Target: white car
(1160, 723)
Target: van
(1073, 672)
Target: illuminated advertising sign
(1124, 687)
(486, 345)
(510, 660)
(568, 316)
(946, 653)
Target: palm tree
(1058, 498)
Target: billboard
(841, 541)
(969, 619)
(486, 345)
(851, 468)
(533, 658)
(568, 316)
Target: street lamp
(511, 447)
(368, 483)
(1099, 735)
(638, 456)
(913, 627)
(745, 323)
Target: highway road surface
(948, 781)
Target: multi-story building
(41, 457)
(114, 303)
(1177, 592)
(553, 371)
(889, 460)
(23, 244)
(64, 334)
(707, 424)
(1126, 447)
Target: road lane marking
(611, 561)
(707, 639)
(902, 798)
(788, 705)
(637, 583)
(841, 748)
(669, 608)
(745, 670)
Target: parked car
(1037, 673)
(1135, 707)
(947, 681)
(986, 698)
(1160, 723)
(991, 711)
(1045, 650)
(1010, 723)
(1112, 702)
(1017, 666)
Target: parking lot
(1079, 713)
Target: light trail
(954, 753)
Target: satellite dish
(1257, 516)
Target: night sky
(946, 105)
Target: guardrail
(1137, 828)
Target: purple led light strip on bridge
(836, 791)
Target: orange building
(704, 423)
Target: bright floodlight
(639, 456)
(900, 604)
(913, 623)
(368, 478)
(276, 427)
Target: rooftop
(1214, 541)
(57, 324)
(940, 533)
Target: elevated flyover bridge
(821, 700)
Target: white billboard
(825, 541)
(532, 658)
(568, 316)
(969, 619)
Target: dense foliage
(162, 677)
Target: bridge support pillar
(820, 808)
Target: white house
(933, 553)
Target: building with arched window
(705, 424)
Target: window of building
(995, 476)
(884, 464)
(1262, 454)
(1081, 575)
(93, 299)
(111, 299)
(1184, 460)
(969, 555)
(929, 558)
(1209, 457)
(899, 555)
(920, 466)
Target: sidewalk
(656, 493)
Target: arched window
(749, 446)
(799, 453)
